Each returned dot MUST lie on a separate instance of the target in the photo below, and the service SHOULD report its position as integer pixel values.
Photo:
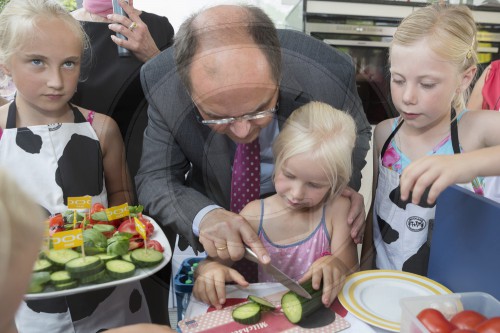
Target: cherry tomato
(467, 319)
(56, 224)
(491, 325)
(435, 322)
(460, 330)
(155, 245)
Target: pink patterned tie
(245, 183)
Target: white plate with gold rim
(373, 296)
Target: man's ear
(467, 77)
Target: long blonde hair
(451, 32)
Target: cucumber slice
(64, 286)
(88, 273)
(146, 257)
(60, 277)
(83, 264)
(35, 288)
(107, 257)
(61, 257)
(296, 307)
(247, 314)
(265, 305)
(126, 257)
(94, 277)
(40, 278)
(42, 265)
(120, 269)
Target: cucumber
(146, 257)
(296, 307)
(42, 265)
(107, 257)
(120, 269)
(64, 286)
(61, 257)
(88, 273)
(83, 264)
(265, 305)
(126, 257)
(93, 277)
(35, 288)
(247, 314)
(60, 277)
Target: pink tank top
(294, 259)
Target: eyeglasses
(231, 120)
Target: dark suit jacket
(186, 167)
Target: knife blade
(278, 275)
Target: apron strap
(11, 115)
(389, 139)
(454, 132)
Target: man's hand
(356, 216)
(224, 235)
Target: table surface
(196, 307)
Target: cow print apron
(402, 230)
(54, 162)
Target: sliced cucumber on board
(265, 305)
(247, 314)
(296, 307)
(61, 257)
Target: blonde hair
(21, 222)
(327, 133)
(19, 23)
(451, 33)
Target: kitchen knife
(278, 275)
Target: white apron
(402, 231)
(54, 162)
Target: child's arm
(333, 269)
(212, 275)
(118, 183)
(367, 260)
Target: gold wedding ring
(132, 26)
(221, 248)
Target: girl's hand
(210, 282)
(139, 40)
(356, 216)
(333, 272)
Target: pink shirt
(295, 259)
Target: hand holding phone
(117, 9)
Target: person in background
(486, 92)
(224, 89)
(111, 85)
(54, 150)
(433, 61)
(20, 242)
(304, 225)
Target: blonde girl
(433, 61)
(55, 150)
(303, 226)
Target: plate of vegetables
(113, 253)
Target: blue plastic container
(183, 284)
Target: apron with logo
(402, 230)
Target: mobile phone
(122, 52)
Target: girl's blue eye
(69, 64)
(36, 62)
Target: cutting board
(465, 244)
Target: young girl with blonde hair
(303, 226)
(433, 60)
(55, 150)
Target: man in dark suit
(230, 78)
